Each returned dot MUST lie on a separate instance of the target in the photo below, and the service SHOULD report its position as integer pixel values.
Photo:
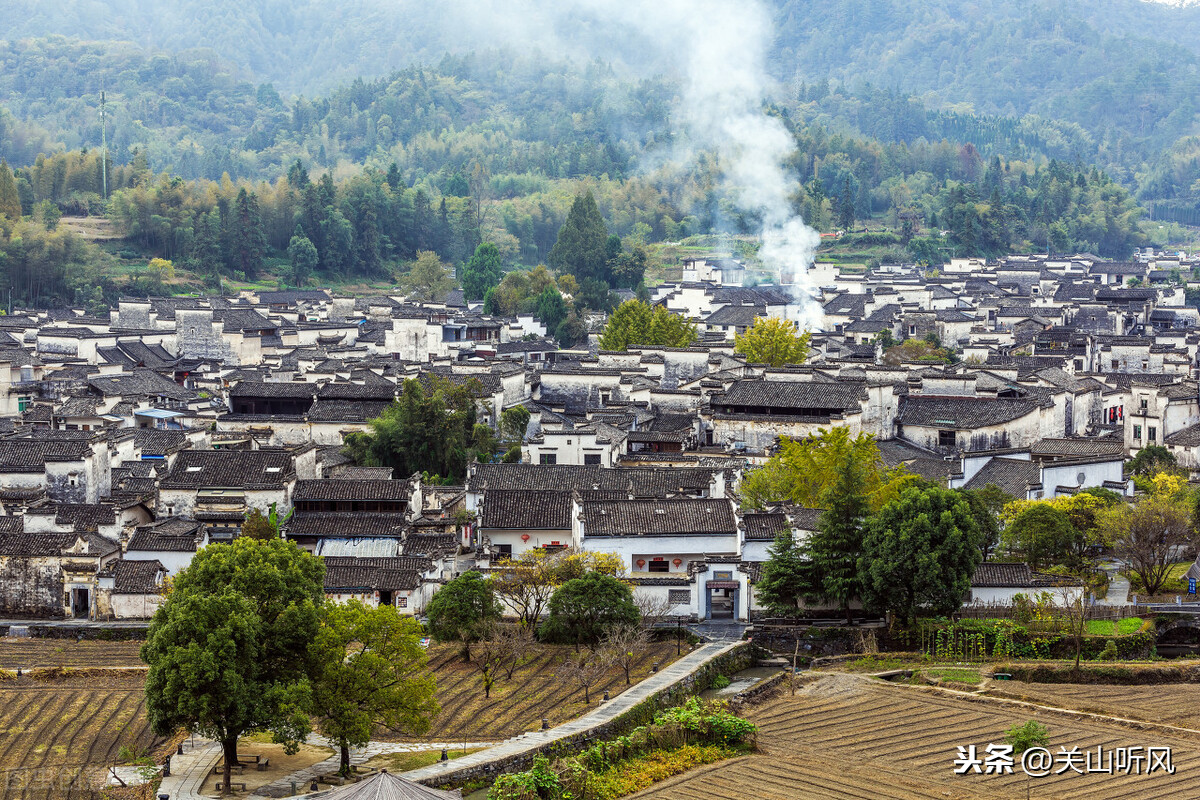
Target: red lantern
(677, 561)
(641, 562)
(524, 537)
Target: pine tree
(838, 542)
(582, 245)
(786, 575)
(249, 239)
(10, 199)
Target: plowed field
(30, 653)
(57, 737)
(847, 736)
(518, 704)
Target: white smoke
(717, 49)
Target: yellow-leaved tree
(773, 341)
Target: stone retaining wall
(698, 680)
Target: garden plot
(31, 653)
(846, 736)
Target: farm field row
(1168, 704)
(847, 736)
(519, 703)
(57, 738)
(30, 653)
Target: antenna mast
(103, 147)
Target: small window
(170, 511)
(1137, 432)
(1116, 364)
(591, 458)
(1145, 402)
(947, 439)
(1152, 433)
(503, 551)
(912, 330)
(1079, 365)
(401, 602)
(679, 596)
(274, 469)
(23, 403)
(546, 459)
(195, 469)
(658, 566)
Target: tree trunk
(229, 747)
(586, 697)
(344, 769)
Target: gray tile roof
(1012, 475)
(249, 469)
(525, 509)
(658, 517)
(962, 413)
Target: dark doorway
(385, 598)
(79, 602)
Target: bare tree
(623, 645)
(654, 608)
(517, 648)
(1147, 535)
(1076, 615)
(490, 653)
(584, 670)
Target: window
(401, 602)
(503, 551)
(679, 596)
(1116, 364)
(547, 459)
(1152, 433)
(658, 566)
(72, 480)
(1079, 365)
(22, 403)
(170, 511)
(1137, 432)
(1145, 402)
(947, 439)
(591, 458)
(912, 330)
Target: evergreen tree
(10, 199)
(582, 245)
(551, 308)
(303, 256)
(249, 239)
(786, 575)
(836, 545)
(482, 272)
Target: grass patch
(1175, 582)
(404, 762)
(640, 773)
(874, 664)
(956, 674)
(1119, 627)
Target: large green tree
(462, 610)
(835, 547)
(1041, 534)
(482, 272)
(919, 552)
(249, 241)
(635, 323)
(229, 649)
(10, 200)
(582, 245)
(429, 429)
(303, 256)
(370, 673)
(583, 609)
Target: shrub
(1109, 653)
(1023, 737)
(711, 720)
(721, 682)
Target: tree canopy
(482, 272)
(635, 323)
(582, 245)
(773, 341)
(462, 609)
(919, 552)
(583, 609)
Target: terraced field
(1169, 704)
(518, 704)
(31, 653)
(58, 737)
(847, 736)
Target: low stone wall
(759, 692)
(815, 641)
(698, 680)
(112, 634)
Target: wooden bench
(235, 769)
(263, 765)
(237, 785)
(255, 757)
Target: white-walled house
(998, 583)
